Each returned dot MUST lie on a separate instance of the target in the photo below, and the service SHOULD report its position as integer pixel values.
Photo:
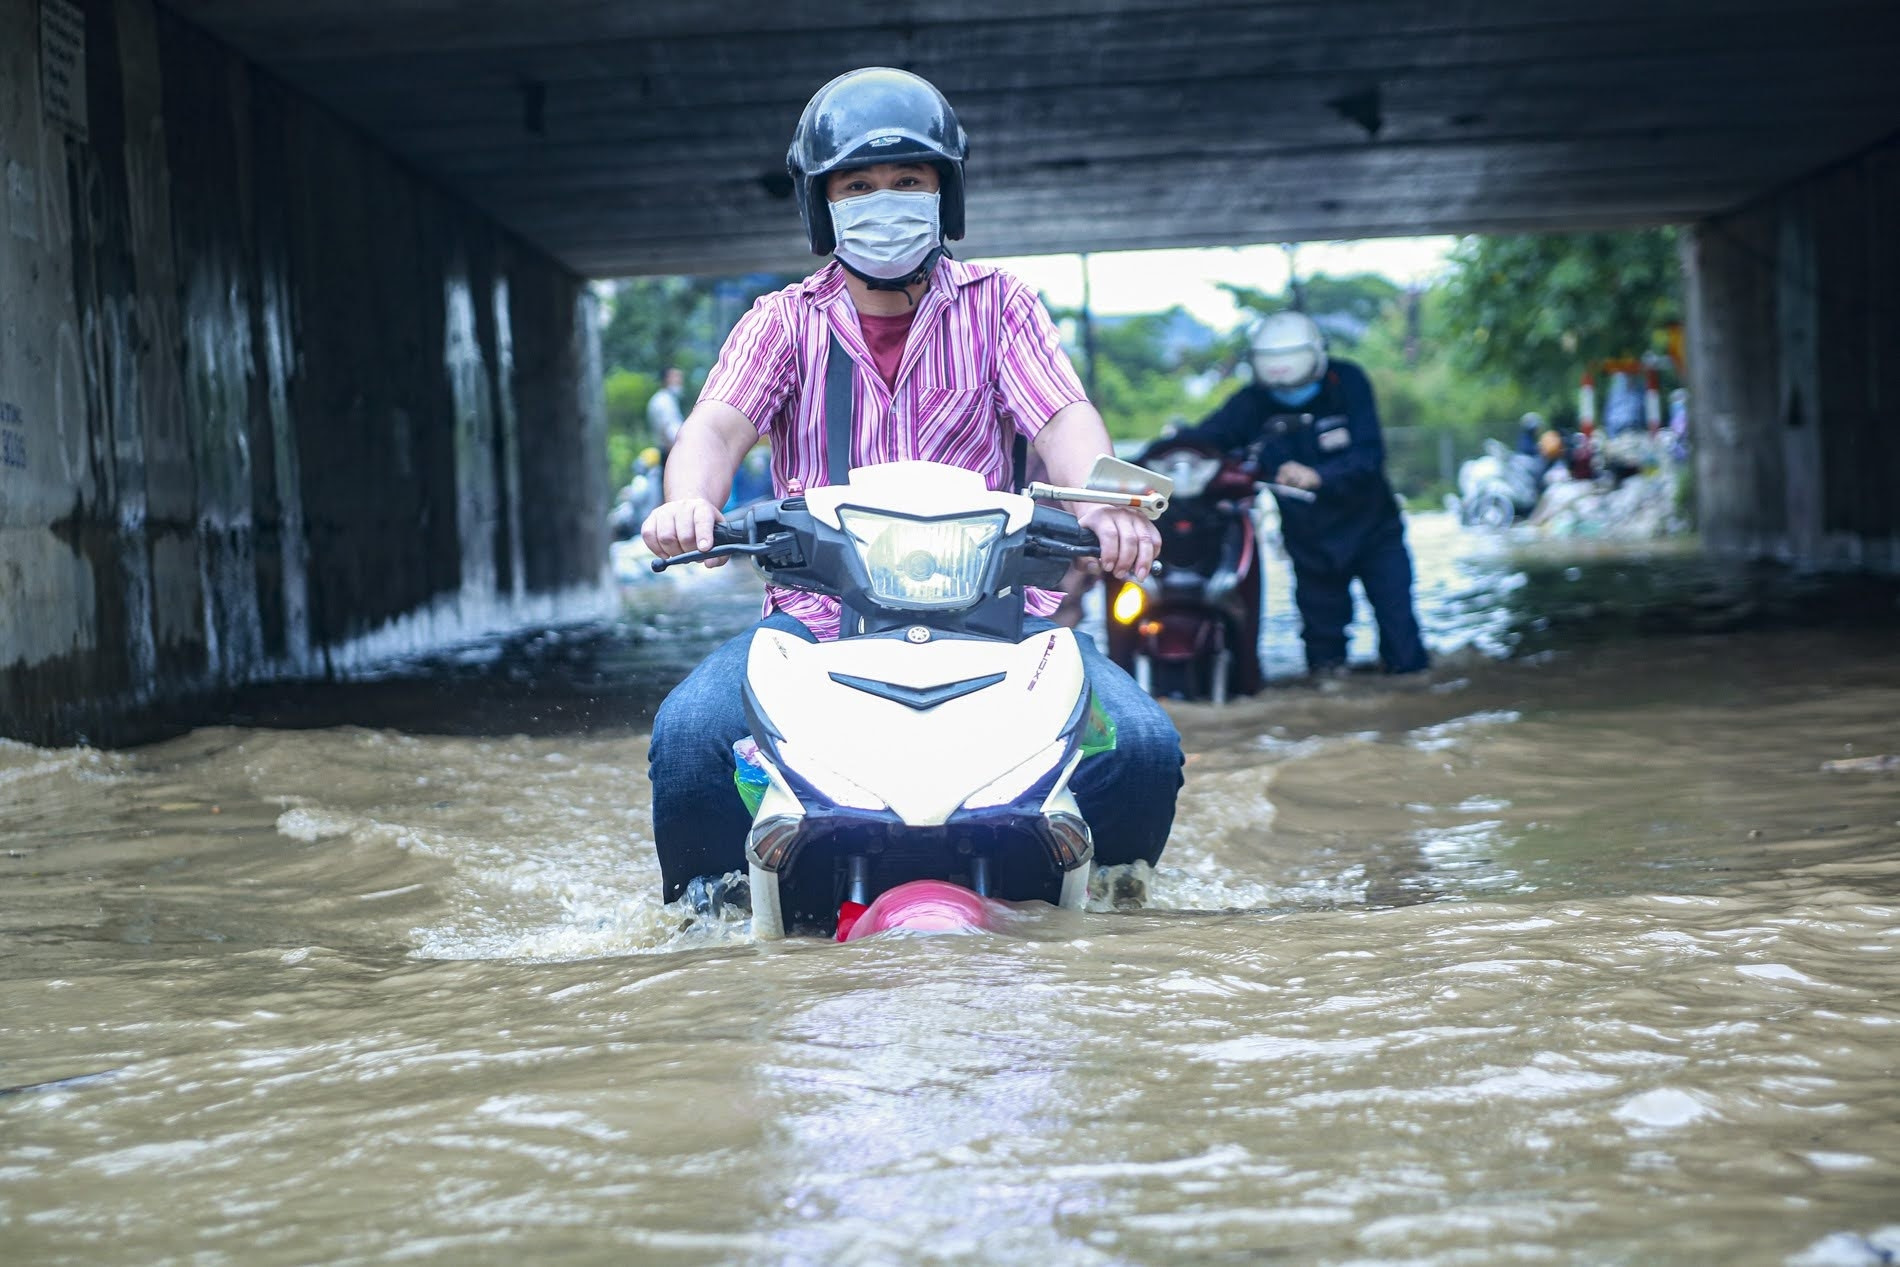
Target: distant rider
(664, 417)
(951, 361)
(1316, 428)
(1530, 428)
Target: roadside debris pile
(1646, 499)
(1641, 506)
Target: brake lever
(717, 552)
(1151, 504)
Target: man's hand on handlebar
(682, 526)
(1297, 475)
(1129, 541)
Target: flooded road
(1586, 950)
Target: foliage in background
(658, 322)
(1432, 407)
(654, 322)
(627, 394)
(1344, 307)
(1150, 369)
(1539, 308)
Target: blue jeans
(700, 824)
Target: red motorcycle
(1192, 629)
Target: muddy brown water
(1577, 952)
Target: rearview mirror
(1112, 475)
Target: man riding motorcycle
(948, 362)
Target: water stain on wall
(262, 400)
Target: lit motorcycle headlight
(1130, 603)
(924, 564)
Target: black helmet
(875, 115)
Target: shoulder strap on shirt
(837, 413)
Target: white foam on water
(312, 825)
(1663, 1109)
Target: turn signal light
(1129, 604)
(1070, 842)
(772, 840)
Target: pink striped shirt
(982, 363)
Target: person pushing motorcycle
(950, 361)
(1315, 427)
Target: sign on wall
(63, 65)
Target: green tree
(1541, 308)
(627, 394)
(653, 323)
(1151, 369)
(657, 322)
(1343, 306)
(1430, 404)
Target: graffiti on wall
(63, 65)
(12, 437)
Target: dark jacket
(1337, 434)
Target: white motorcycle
(1498, 489)
(932, 740)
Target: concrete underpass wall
(1795, 364)
(270, 405)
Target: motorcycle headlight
(1007, 788)
(827, 781)
(1130, 603)
(924, 563)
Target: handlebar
(1048, 548)
(1055, 534)
(1052, 534)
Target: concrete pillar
(1798, 392)
(1733, 376)
(268, 403)
(1795, 369)
(563, 429)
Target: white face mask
(886, 234)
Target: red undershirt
(885, 337)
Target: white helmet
(1288, 351)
